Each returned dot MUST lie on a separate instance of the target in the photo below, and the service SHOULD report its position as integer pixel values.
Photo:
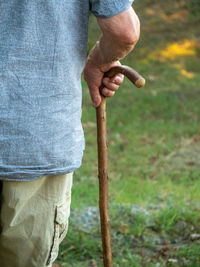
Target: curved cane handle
(130, 73)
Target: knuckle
(112, 86)
(109, 93)
(115, 87)
(105, 91)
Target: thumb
(95, 96)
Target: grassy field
(154, 151)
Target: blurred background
(154, 150)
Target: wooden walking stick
(136, 79)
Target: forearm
(105, 52)
(120, 34)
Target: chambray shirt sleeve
(109, 8)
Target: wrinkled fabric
(43, 46)
(34, 220)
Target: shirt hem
(34, 175)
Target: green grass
(154, 149)
(140, 237)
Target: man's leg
(34, 220)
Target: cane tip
(140, 82)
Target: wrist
(97, 58)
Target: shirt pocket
(62, 213)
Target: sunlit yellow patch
(176, 50)
(186, 48)
(183, 71)
(187, 74)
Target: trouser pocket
(62, 213)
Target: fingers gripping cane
(136, 79)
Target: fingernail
(94, 105)
(117, 80)
(95, 101)
(105, 82)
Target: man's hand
(120, 34)
(94, 78)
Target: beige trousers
(34, 220)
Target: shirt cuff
(109, 8)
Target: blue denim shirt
(43, 45)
